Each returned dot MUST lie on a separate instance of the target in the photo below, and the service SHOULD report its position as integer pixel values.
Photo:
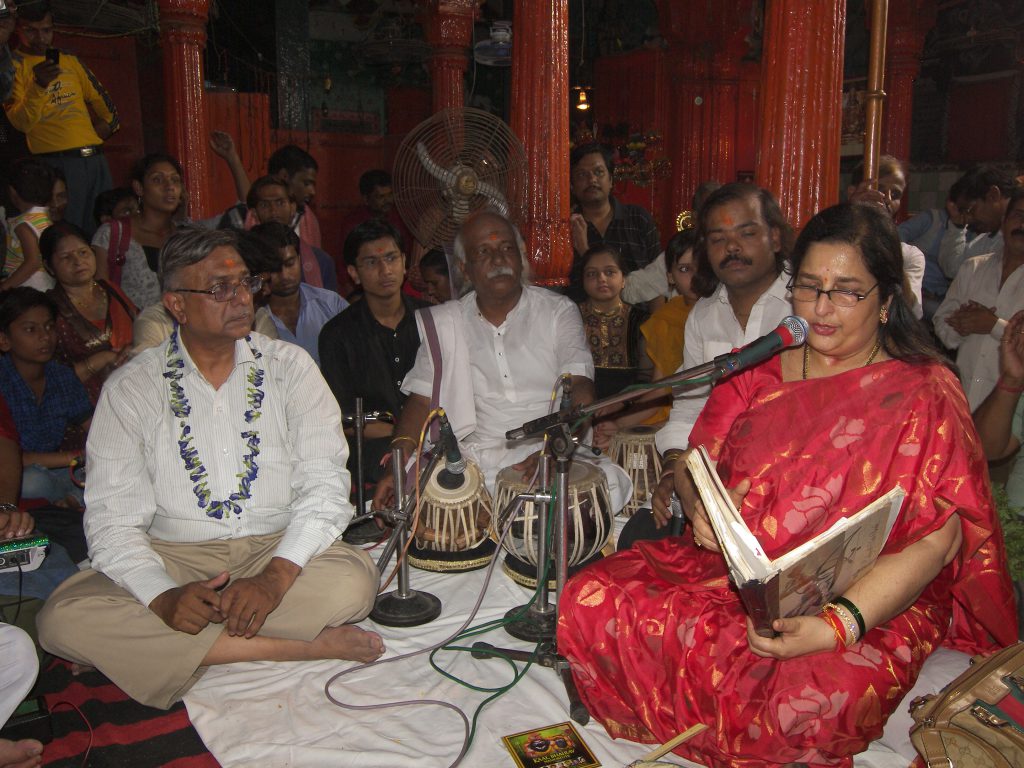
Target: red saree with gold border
(656, 635)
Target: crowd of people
(206, 373)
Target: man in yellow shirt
(63, 111)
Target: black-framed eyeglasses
(227, 291)
(841, 297)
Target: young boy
(115, 204)
(45, 397)
(31, 187)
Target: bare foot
(76, 670)
(347, 642)
(20, 754)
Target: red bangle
(1005, 388)
(828, 616)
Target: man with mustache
(600, 218)
(984, 295)
(502, 348)
(743, 244)
(216, 498)
(299, 310)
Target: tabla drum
(590, 524)
(633, 449)
(453, 533)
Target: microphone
(454, 473)
(792, 332)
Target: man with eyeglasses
(979, 206)
(500, 351)
(984, 295)
(216, 497)
(600, 218)
(299, 310)
(367, 349)
(742, 251)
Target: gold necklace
(869, 361)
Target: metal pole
(360, 468)
(875, 94)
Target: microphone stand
(540, 619)
(404, 607)
(361, 530)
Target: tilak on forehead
(728, 220)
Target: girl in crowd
(94, 319)
(127, 250)
(612, 326)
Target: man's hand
(191, 607)
(246, 603)
(604, 431)
(973, 318)
(958, 217)
(223, 145)
(45, 72)
(15, 524)
(528, 466)
(1011, 352)
(578, 225)
(866, 193)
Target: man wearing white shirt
(503, 347)
(743, 243)
(985, 294)
(979, 204)
(216, 497)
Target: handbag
(977, 721)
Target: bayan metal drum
(590, 524)
(633, 449)
(453, 530)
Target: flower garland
(190, 456)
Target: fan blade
(497, 199)
(443, 175)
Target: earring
(883, 315)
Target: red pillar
(183, 37)
(540, 118)
(801, 87)
(908, 24)
(449, 32)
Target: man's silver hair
(187, 246)
(461, 286)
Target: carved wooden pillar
(909, 22)
(801, 88)
(183, 37)
(540, 117)
(449, 32)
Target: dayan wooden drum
(633, 449)
(590, 524)
(453, 531)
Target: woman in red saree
(94, 318)
(658, 639)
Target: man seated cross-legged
(216, 497)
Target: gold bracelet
(841, 613)
(671, 456)
(400, 438)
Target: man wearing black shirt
(367, 349)
(601, 219)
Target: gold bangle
(671, 455)
(400, 438)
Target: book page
(743, 553)
(827, 565)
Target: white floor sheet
(276, 714)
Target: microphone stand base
(533, 626)
(394, 611)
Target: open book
(801, 581)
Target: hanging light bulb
(583, 104)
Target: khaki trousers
(91, 620)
